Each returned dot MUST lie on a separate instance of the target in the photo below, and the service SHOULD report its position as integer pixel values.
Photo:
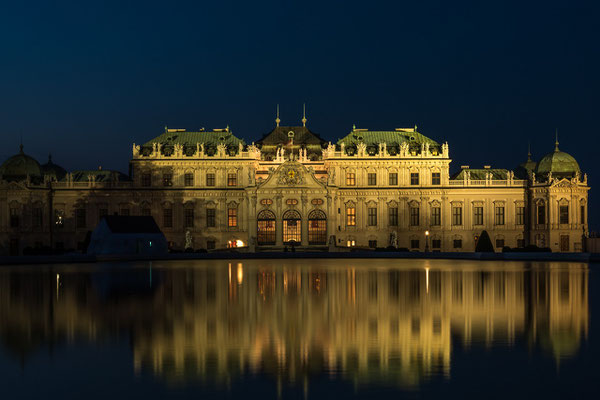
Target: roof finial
(49, 158)
(304, 114)
(529, 151)
(556, 142)
(277, 120)
(21, 145)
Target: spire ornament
(556, 141)
(304, 115)
(277, 120)
(528, 151)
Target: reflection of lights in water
(57, 284)
(240, 273)
(427, 278)
(230, 273)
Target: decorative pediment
(563, 183)
(435, 203)
(413, 203)
(291, 174)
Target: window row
(436, 178)
(436, 216)
(188, 179)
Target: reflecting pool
(299, 329)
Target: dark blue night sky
(84, 80)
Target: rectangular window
(210, 244)
(350, 179)
(520, 217)
(499, 243)
(146, 180)
(232, 179)
(188, 179)
(14, 217)
(373, 243)
(499, 220)
(167, 218)
(436, 243)
(414, 243)
(414, 216)
(232, 217)
(582, 212)
(351, 216)
(210, 179)
(414, 178)
(477, 215)
(520, 243)
(393, 178)
(457, 243)
(372, 179)
(541, 214)
(188, 218)
(457, 215)
(563, 212)
(146, 212)
(167, 179)
(124, 212)
(436, 216)
(393, 214)
(37, 217)
(80, 216)
(436, 178)
(372, 216)
(211, 218)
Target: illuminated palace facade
(211, 190)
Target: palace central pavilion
(211, 190)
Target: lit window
(232, 217)
(232, 179)
(351, 216)
(393, 178)
(350, 179)
(436, 178)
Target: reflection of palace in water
(376, 324)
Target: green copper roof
(103, 175)
(390, 138)
(189, 140)
(19, 166)
(479, 174)
(561, 164)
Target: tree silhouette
(484, 244)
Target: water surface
(299, 329)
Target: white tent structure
(126, 235)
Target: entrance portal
(292, 227)
(317, 227)
(266, 227)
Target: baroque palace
(211, 190)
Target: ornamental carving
(290, 175)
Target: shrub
(484, 244)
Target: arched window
(292, 226)
(317, 227)
(266, 227)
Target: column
(278, 222)
(304, 221)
